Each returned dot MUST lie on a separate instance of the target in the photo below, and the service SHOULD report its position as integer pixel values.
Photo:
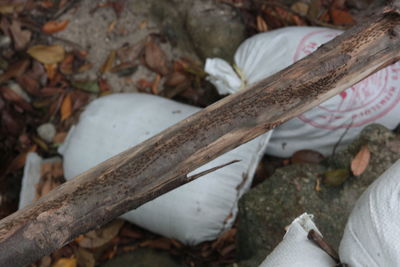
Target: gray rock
(265, 210)
(47, 132)
(143, 258)
(216, 30)
(206, 28)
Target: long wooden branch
(161, 163)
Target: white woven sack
(195, 212)
(372, 234)
(295, 250)
(374, 100)
(30, 179)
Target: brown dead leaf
(29, 84)
(51, 70)
(129, 53)
(261, 24)
(21, 37)
(227, 237)
(66, 64)
(11, 122)
(318, 185)
(16, 98)
(155, 58)
(156, 83)
(111, 27)
(131, 233)
(341, 17)
(109, 63)
(64, 262)
(176, 78)
(85, 258)
(360, 162)
(15, 70)
(45, 261)
(143, 84)
(300, 8)
(104, 86)
(307, 156)
(314, 10)
(46, 3)
(228, 249)
(55, 26)
(66, 107)
(19, 161)
(338, 4)
(79, 100)
(47, 54)
(101, 236)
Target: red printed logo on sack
(363, 103)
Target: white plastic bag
(31, 177)
(374, 100)
(195, 212)
(372, 234)
(295, 250)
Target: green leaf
(336, 177)
(87, 86)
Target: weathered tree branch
(161, 163)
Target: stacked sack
(198, 211)
(371, 237)
(373, 100)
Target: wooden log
(161, 163)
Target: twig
(319, 240)
(65, 9)
(198, 175)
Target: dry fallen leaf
(15, 70)
(336, 177)
(64, 262)
(307, 156)
(300, 8)
(51, 70)
(21, 37)
(19, 161)
(101, 236)
(47, 54)
(360, 161)
(85, 258)
(341, 17)
(109, 63)
(55, 26)
(16, 98)
(155, 58)
(66, 107)
(261, 24)
(29, 84)
(129, 53)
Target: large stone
(268, 208)
(204, 28)
(215, 29)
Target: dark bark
(161, 163)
